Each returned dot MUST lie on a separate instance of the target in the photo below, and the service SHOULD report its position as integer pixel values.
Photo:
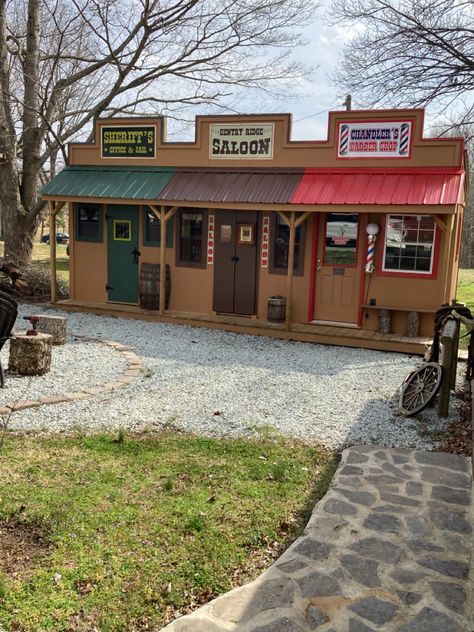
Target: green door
(122, 253)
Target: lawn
(465, 294)
(41, 256)
(121, 534)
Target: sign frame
(127, 156)
(244, 137)
(376, 155)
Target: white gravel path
(220, 384)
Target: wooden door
(235, 262)
(122, 253)
(338, 269)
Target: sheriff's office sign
(249, 141)
(128, 142)
(391, 139)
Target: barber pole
(369, 266)
(404, 139)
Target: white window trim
(433, 248)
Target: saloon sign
(252, 141)
(128, 142)
(390, 139)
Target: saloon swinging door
(338, 269)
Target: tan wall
(192, 288)
(287, 153)
(276, 284)
(89, 271)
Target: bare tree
(65, 62)
(408, 52)
(414, 53)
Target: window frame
(203, 261)
(298, 270)
(152, 242)
(100, 225)
(416, 274)
(331, 264)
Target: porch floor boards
(305, 332)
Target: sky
(310, 112)
(317, 94)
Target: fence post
(449, 345)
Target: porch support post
(53, 211)
(291, 263)
(162, 260)
(163, 216)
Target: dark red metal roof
(259, 186)
(391, 186)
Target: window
(340, 240)
(152, 230)
(191, 238)
(89, 222)
(409, 244)
(280, 246)
(122, 230)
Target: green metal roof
(137, 183)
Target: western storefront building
(364, 223)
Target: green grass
(465, 294)
(139, 529)
(41, 255)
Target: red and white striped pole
(372, 230)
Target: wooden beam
(56, 207)
(284, 217)
(302, 219)
(52, 249)
(163, 220)
(170, 212)
(439, 223)
(290, 274)
(155, 211)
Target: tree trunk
(20, 231)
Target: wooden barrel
(276, 310)
(149, 286)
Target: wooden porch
(304, 332)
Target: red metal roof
(259, 186)
(391, 186)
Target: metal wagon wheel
(420, 388)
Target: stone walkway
(388, 548)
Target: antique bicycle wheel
(420, 388)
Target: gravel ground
(221, 384)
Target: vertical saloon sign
(367, 139)
(128, 141)
(249, 141)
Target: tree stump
(56, 326)
(413, 324)
(385, 321)
(30, 355)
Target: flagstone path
(388, 548)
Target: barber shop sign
(369, 139)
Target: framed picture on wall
(246, 234)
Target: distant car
(61, 238)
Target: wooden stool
(56, 326)
(30, 355)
